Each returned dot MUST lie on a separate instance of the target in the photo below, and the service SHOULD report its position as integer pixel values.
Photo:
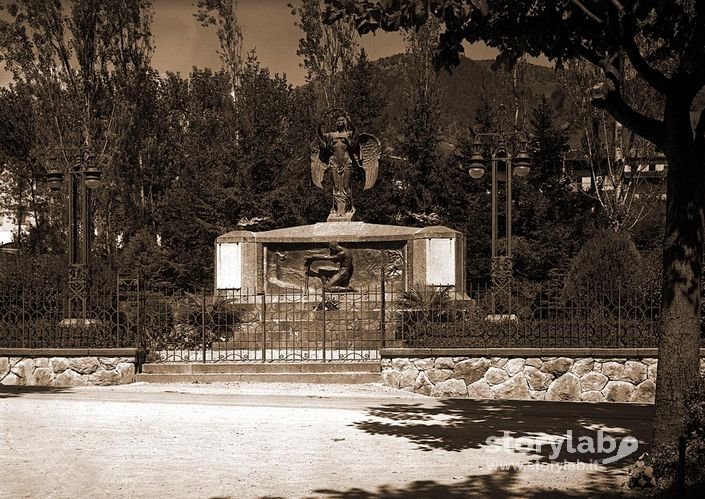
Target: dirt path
(280, 440)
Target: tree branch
(604, 63)
(612, 102)
(651, 75)
(618, 5)
(586, 11)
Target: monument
(340, 151)
(328, 290)
(341, 255)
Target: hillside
(463, 91)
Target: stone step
(303, 337)
(267, 377)
(313, 344)
(356, 346)
(369, 329)
(312, 306)
(260, 367)
(291, 332)
(316, 316)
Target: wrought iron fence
(40, 318)
(236, 325)
(527, 315)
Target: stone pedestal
(340, 218)
(274, 262)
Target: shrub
(663, 459)
(143, 255)
(423, 311)
(608, 264)
(217, 316)
(31, 273)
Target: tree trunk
(679, 337)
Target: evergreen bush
(608, 268)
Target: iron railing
(530, 316)
(40, 318)
(237, 325)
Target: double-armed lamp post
(83, 176)
(508, 156)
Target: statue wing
(319, 163)
(370, 152)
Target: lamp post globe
(522, 163)
(92, 177)
(521, 170)
(55, 179)
(476, 171)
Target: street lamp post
(503, 166)
(83, 176)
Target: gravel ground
(302, 389)
(289, 440)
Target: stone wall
(66, 371)
(526, 378)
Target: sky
(182, 43)
(268, 29)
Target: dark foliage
(662, 461)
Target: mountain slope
(463, 91)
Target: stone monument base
(397, 257)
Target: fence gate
(238, 326)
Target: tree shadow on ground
(8, 391)
(457, 424)
(500, 484)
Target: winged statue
(340, 150)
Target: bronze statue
(340, 150)
(333, 279)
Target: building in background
(646, 175)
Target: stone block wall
(66, 371)
(526, 378)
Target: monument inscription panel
(228, 266)
(440, 262)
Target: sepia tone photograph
(355, 249)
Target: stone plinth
(273, 262)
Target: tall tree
(550, 219)
(69, 56)
(550, 146)
(360, 95)
(265, 148)
(21, 191)
(421, 129)
(294, 193)
(223, 15)
(198, 198)
(328, 50)
(672, 65)
(76, 64)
